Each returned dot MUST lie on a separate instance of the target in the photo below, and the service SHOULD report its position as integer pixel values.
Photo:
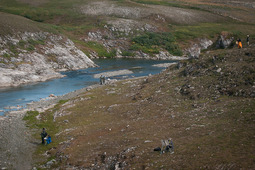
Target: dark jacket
(43, 134)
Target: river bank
(16, 143)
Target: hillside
(205, 105)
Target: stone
(195, 50)
(224, 42)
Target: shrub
(110, 54)
(127, 53)
(152, 42)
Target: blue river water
(75, 80)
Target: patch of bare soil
(16, 146)
(138, 11)
(237, 10)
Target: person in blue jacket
(48, 139)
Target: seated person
(48, 139)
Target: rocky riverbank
(30, 54)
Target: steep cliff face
(31, 57)
(35, 55)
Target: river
(12, 97)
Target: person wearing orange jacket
(240, 43)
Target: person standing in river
(43, 135)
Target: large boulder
(195, 49)
(224, 41)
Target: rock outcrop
(224, 41)
(32, 57)
(195, 49)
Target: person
(167, 146)
(170, 146)
(240, 43)
(248, 40)
(48, 139)
(43, 135)
(101, 79)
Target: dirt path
(16, 146)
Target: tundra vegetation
(205, 105)
(66, 17)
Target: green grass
(171, 4)
(30, 117)
(97, 47)
(211, 30)
(42, 13)
(58, 12)
(127, 53)
(152, 42)
(45, 121)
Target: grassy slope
(210, 119)
(64, 17)
(11, 23)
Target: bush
(110, 54)
(152, 42)
(127, 53)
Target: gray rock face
(195, 50)
(224, 42)
(33, 57)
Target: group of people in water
(45, 137)
(239, 42)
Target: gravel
(16, 146)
